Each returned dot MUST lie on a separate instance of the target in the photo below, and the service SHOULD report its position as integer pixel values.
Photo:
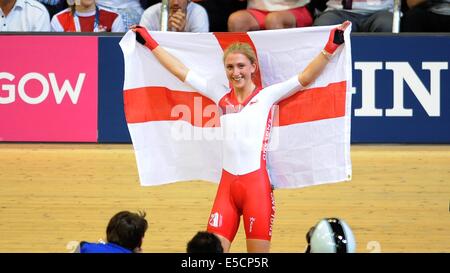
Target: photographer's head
(330, 235)
(204, 242)
(127, 229)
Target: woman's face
(239, 70)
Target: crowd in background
(220, 15)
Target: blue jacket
(86, 247)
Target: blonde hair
(243, 48)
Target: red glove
(336, 38)
(143, 37)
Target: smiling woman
(245, 188)
(240, 66)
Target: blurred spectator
(23, 15)
(184, 16)
(86, 16)
(125, 233)
(147, 3)
(130, 10)
(204, 242)
(219, 11)
(365, 15)
(427, 16)
(271, 14)
(317, 6)
(54, 6)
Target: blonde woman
(244, 188)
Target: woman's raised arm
(316, 66)
(169, 61)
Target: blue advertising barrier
(401, 89)
(112, 126)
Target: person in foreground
(244, 188)
(124, 234)
(204, 242)
(330, 235)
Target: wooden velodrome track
(54, 194)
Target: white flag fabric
(176, 132)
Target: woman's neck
(243, 93)
(81, 8)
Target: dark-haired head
(204, 242)
(127, 229)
